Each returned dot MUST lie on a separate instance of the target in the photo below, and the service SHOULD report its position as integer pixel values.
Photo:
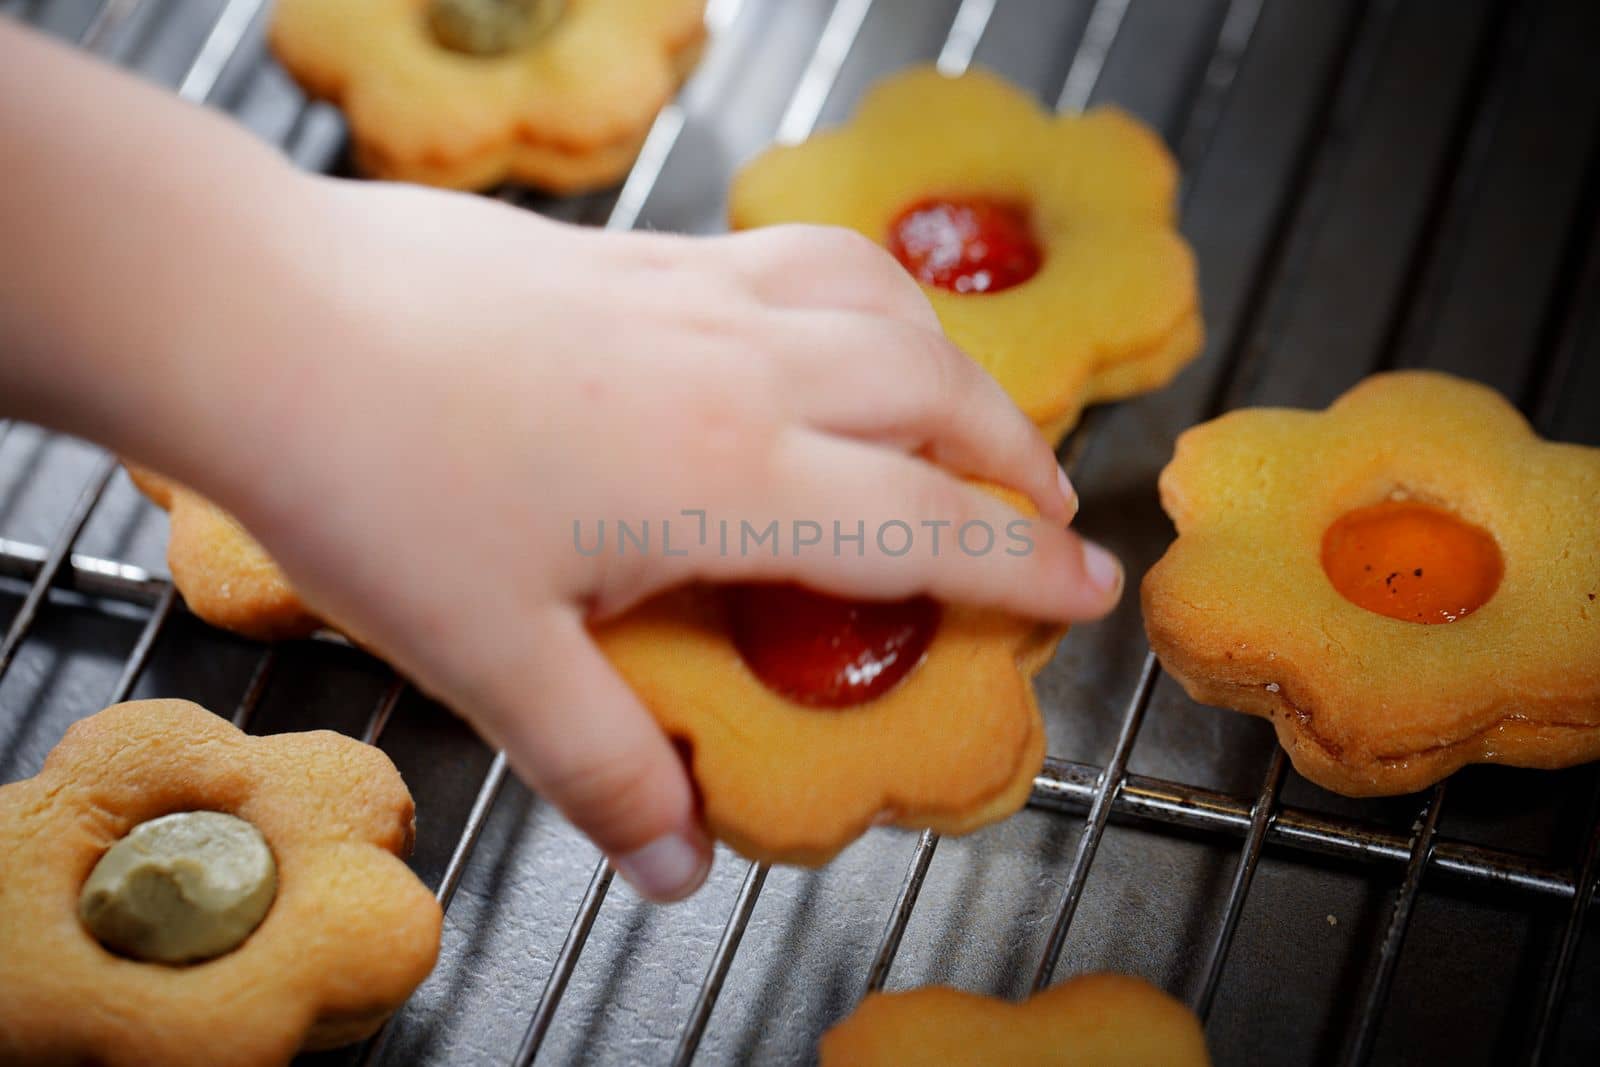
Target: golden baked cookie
(1046, 243)
(1106, 1020)
(225, 577)
(564, 107)
(805, 719)
(808, 719)
(350, 933)
(1403, 584)
(784, 777)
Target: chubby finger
(876, 378)
(861, 520)
(574, 731)
(805, 266)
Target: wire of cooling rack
(1555, 991)
(255, 689)
(1070, 787)
(1099, 34)
(566, 961)
(28, 614)
(1261, 813)
(144, 646)
(221, 45)
(1394, 935)
(106, 21)
(384, 709)
(1110, 782)
(89, 576)
(838, 37)
(472, 829)
(900, 913)
(721, 960)
(482, 804)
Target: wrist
(186, 368)
(231, 370)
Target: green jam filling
(180, 889)
(491, 27)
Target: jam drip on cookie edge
(826, 652)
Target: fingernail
(1104, 572)
(1068, 493)
(668, 868)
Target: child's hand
(467, 382)
(411, 397)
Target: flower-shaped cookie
(954, 745)
(1102, 1019)
(1091, 294)
(566, 111)
(225, 577)
(1474, 545)
(350, 933)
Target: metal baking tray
(1367, 185)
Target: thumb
(574, 731)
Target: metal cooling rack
(1367, 185)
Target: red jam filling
(825, 652)
(969, 245)
(1411, 561)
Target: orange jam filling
(968, 245)
(1411, 561)
(825, 652)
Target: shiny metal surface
(1367, 184)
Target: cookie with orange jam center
(1046, 243)
(1403, 584)
(1413, 561)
